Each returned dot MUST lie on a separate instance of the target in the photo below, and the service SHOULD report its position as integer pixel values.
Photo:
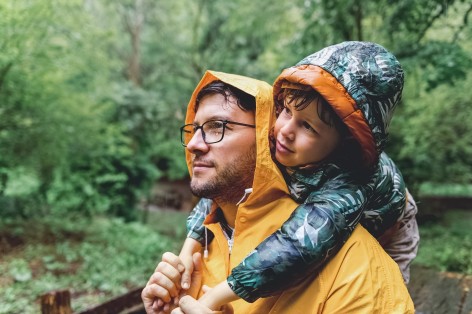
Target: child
(334, 108)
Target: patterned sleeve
(195, 228)
(317, 230)
(389, 201)
(313, 234)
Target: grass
(95, 259)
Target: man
(228, 154)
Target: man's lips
(201, 165)
(282, 148)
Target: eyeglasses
(213, 131)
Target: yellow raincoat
(361, 278)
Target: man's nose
(197, 144)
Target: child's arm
(390, 199)
(196, 237)
(309, 238)
(190, 247)
(218, 296)
(195, 228)
(298, 250)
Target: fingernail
(185, 285)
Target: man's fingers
(152, 292)
(174, 260)
(168, 271)
(164, 282)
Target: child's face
(302, 137)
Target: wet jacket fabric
(361, 278)
(333, 201)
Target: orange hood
(268, 180)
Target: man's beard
(229, 184)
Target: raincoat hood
(362, 81)
(346, 283)
(268, 180)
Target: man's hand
(163, 289)
(164, 285)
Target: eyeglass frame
(197, 127)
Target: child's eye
(308, 127)
(287, 111)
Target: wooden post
(56, 302)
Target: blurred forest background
(92, 94)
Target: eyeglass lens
(212, 132)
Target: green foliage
(441, 63)
(444, 189)
(436, 135)
(447, 245)
(97, 259)
(92, 93)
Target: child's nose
(288, 131)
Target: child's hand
(220, 295)
(163, 288)
(190, 247)
(189, 305)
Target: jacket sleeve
(195, 228)
(387, 207)
(306, 241)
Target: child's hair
(244, 101)
(348, 154)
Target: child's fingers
(187, 261)
(206, 288)
(186, 279)
(196, 275)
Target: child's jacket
(361, 278)
(363, 83)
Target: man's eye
(214, 127)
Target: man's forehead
(217, 107)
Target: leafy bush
(447, 245)
(96, 259)
(432, 135)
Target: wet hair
(244, 101)
(302, 98)
(348, 155)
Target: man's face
(223, 170)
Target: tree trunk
(56, 302)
